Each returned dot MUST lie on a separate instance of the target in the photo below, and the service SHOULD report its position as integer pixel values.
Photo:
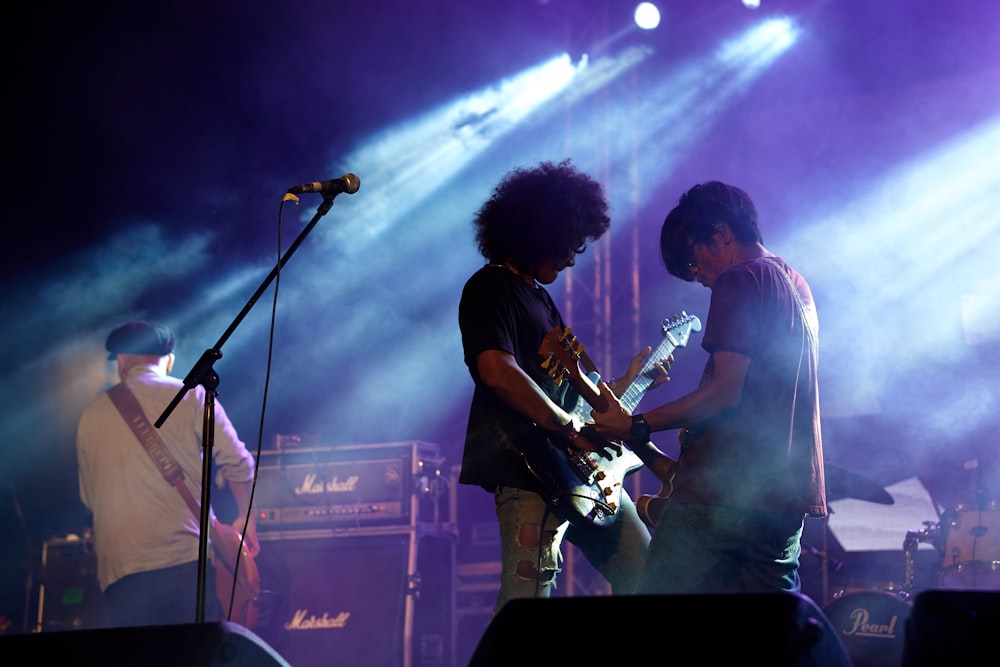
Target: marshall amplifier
(349, 486)
(380, 596)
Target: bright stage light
(647, 16)
(751, 4)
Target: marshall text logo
(303, 622)
(311, 486)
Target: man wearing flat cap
(146, 535)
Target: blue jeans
(710, 549)
(530, 564)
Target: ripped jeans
(531, 559)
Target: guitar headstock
(562, 354)
(679, 327)
(561, 351)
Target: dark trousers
(160, 597)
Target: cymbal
(842, 483)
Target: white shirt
(141, 522)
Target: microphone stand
(202, 373)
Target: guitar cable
(538, 549)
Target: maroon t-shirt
(767, 453)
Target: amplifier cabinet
(379, 597)
(69, 597)
(350, 486)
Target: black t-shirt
(499, 310)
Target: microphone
(348, 183)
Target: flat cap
(140, 337)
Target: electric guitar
(243, 599)
(585, 486)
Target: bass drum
(871, 625)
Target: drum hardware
(889, 587)
(914, 538)
(827, 562)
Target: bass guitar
(586, 486)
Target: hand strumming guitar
(590, 441)
(615, 422)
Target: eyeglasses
(692, 263)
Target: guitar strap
(132, 413)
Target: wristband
(640, 429)
(569, 431)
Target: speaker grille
(355, 598)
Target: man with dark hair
(751, 461)
(532, 227)
(146, 535)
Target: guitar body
(226, 543)
(650, 508)
(586, 487)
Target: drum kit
(871, 622)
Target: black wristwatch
(640, 429)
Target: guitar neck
(563, 355)
(647, 375)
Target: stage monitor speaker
(221, 644)
(952, 627)
(776, 629)
(379, 599)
